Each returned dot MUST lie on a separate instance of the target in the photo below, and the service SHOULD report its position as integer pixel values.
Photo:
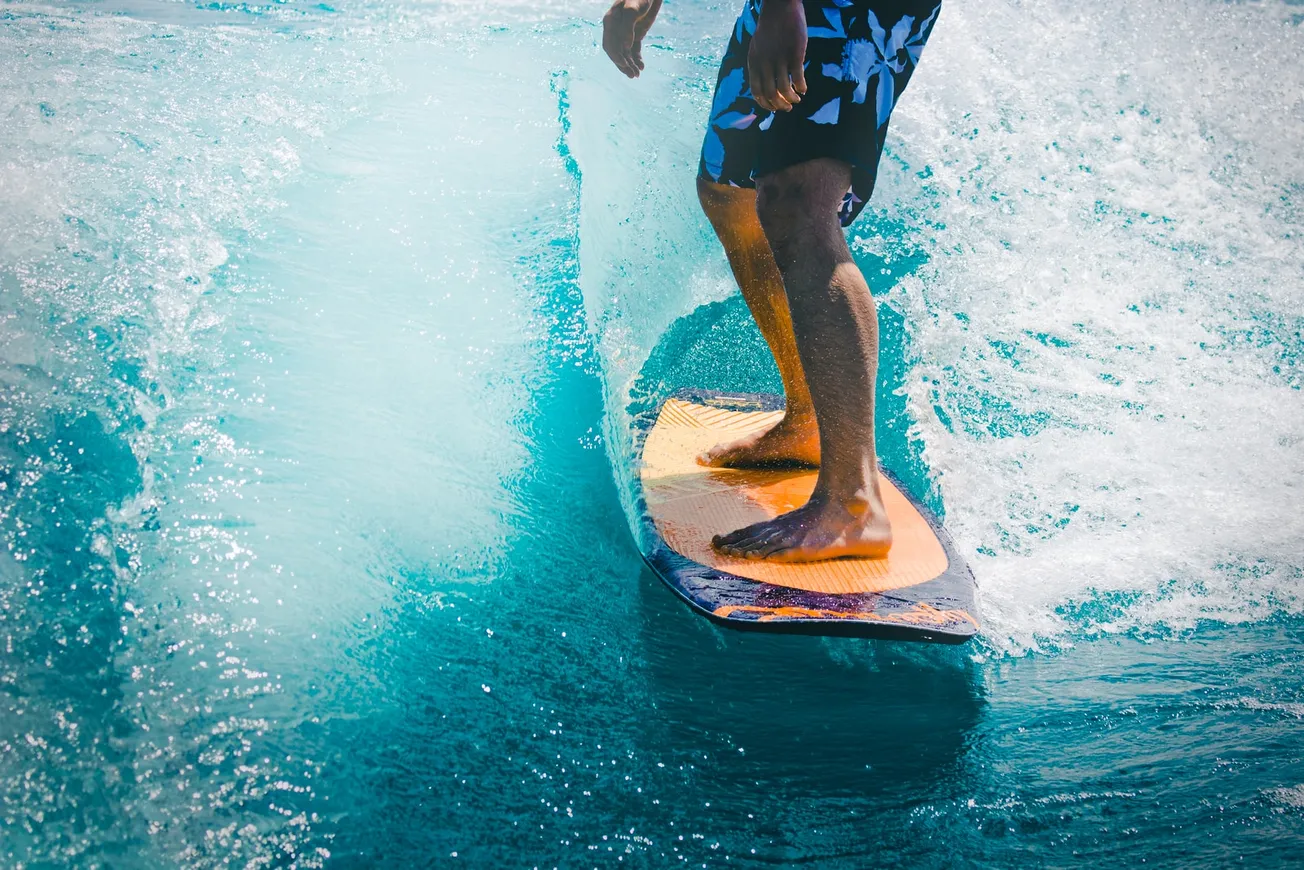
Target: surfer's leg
(794, 439)
(728, 195)
(815, 168)
(836, 329)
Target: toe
(728, 540)
(761, 539)
(737, 549)
(766, 541)
(755, 530)
(773, 549)
(741, 542)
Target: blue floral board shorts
(860, 55)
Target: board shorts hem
(860, 55)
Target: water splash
(123, 190)
(1108, 330)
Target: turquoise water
(322, 324)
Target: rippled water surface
(320, 329)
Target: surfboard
(922, 590)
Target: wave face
(321, 325)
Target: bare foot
(819, 529)
(794, 440)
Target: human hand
(623, 29)
(777, 55)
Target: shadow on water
(805, 749)
(809, 716)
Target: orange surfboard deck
(920, 591)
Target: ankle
(799, 412)
(857, 497)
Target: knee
(798, 206)
(782, 214)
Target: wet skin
(812, 304)
(794, 440)
(834, 329)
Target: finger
(781, 102)
(626, 46)
(799, 78)
(754, 82)
(612, 48)
(786, 90)
(636, 54)
(769, 75)
(620, 62)
(618, 39)
(768, 92)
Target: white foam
(1288, 797)
(1291, 709)
(1107, 178)
(134, 154)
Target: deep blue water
(320, 328)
